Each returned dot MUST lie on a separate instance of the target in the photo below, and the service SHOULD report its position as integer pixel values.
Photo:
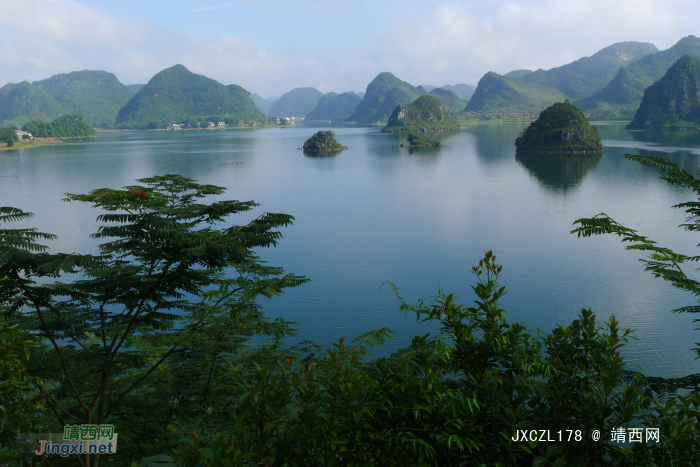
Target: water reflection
(496, 143)
(559, 172)
(321, 153)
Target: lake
(418, 218)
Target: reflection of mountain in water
(681, 147)
(559, 172)
(495, 144)
(681, 139)
(321, 153)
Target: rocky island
(415, 142)
(323, 141)
(673, 102)
(560, 128)
(424, 114)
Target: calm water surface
(419, 218)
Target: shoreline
(33, 144)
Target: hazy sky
(272, 46)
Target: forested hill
(622, 96)
(674, 100)
(496, 94)
(96, 95)
(383, 94)
(335, 107)
(296, 103)
(588, 75)
(23, 102)
(177, 95)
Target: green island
(323, 141)
(415, 142)
(673, 102)
(424, 114)
(561, 128)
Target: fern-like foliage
(662, 262)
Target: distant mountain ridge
(449, 100)
(621, 97)
(496, 94)
(674, 100)
(587, 75)
(296, 103)
(515, 74)
(135, 87)
(335, 107)
(96, 95)
(383, 94)
(463, 91)
(263, 104)
(176, 95)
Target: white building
(221, 124)
(21, 133)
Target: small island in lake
(424, 114)
(416, 142)
(323, 141)
(560, 128)
(673, 102)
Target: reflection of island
(560, 172)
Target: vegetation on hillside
(560, 128)
(95, 95)
(498, 95)
(296, 103)
(515, 74)
(424, 114)
(8, 136)
(383, 94)
(588, 75)
(176, 95)
(335, 107)
(449, 100)
(66, 126)
(23, 102)
(620, 99)
(323, 141)
(674, 100)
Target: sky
(272, 46)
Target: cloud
(423, 43)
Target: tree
(167, 284)
(663, 262)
